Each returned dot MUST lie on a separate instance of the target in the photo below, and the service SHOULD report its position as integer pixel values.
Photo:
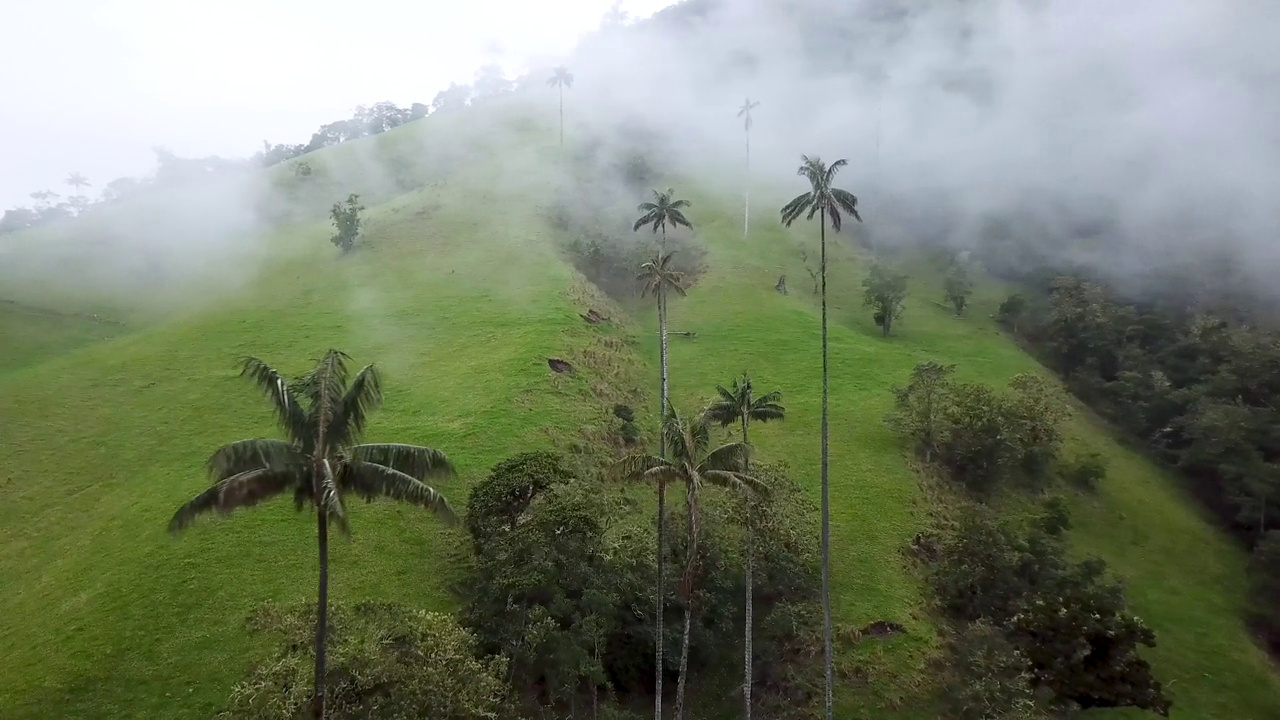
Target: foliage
(385, 662)
(346, 218)
(665, 211)
(567, 593)
(883, 292)
(985, 677)
(1068, 619)
(957, 287)
(1085, 471)
(498, 503)
(980, 436)
(1264, 588)
(1203, 392)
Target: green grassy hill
(460, 294)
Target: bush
(384, 661)
(566, 592)
(346, 218)
(1068, 619)
(980, 436)
(986, 677)
(1085, 471)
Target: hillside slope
(461, 296)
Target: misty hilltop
(789, 359)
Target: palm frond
(735, 481)
(730, 456)
(792, 210)
(664, 475)
(832, 169)
(331, 499)
(846, 201)
(675, 432)
(324, 387)
(768, 407)
(698, 429)
(633, 467)
(371, 480)
(362, 396)
(254, 454)
(649, 218)
(678, 204)
(291, 416)
(675, 217)
(241, 490)
(416, 461)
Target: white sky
(93, 85)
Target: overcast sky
(93, 85)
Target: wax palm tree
(319, 462)
(827, 202)
(744, 112)
(77, 181)
(692, 463)
(663, 211)
(561, 78)
(738, 403)
(658, 279)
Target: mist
(1150, 125)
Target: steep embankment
(1184, 577)
(460, 295)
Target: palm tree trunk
(746, 195)
(826, 485)
(322, 610)
(747, 675)
(659, 637)
(691, 510)
(562, 116)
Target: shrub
(384, 661)
(1068, 619)
(1085, 471)
(986, 677)
(346, 218)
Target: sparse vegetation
(346, 218)
(883, 291)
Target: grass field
(460, 296)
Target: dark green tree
(319, 462)
(828, 203)
(694, 464)
(738, 403)
(958, 287)
(560, 79)
(346, 218)
(883, 292)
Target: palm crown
(656, 276)
(663, 211)
(738, 402)
(822, 198)
(688, 459)
(560, 77)
(744, 112)
(322, 416)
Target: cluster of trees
(1033, 633)
(1201, 388)
(48, 206)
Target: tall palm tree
(319, 462)
(663, 211)
(744, 112)
(738, 403)
(658, 279)
(561, 78)
(77, 181)
(695, 465)
(825, 201)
